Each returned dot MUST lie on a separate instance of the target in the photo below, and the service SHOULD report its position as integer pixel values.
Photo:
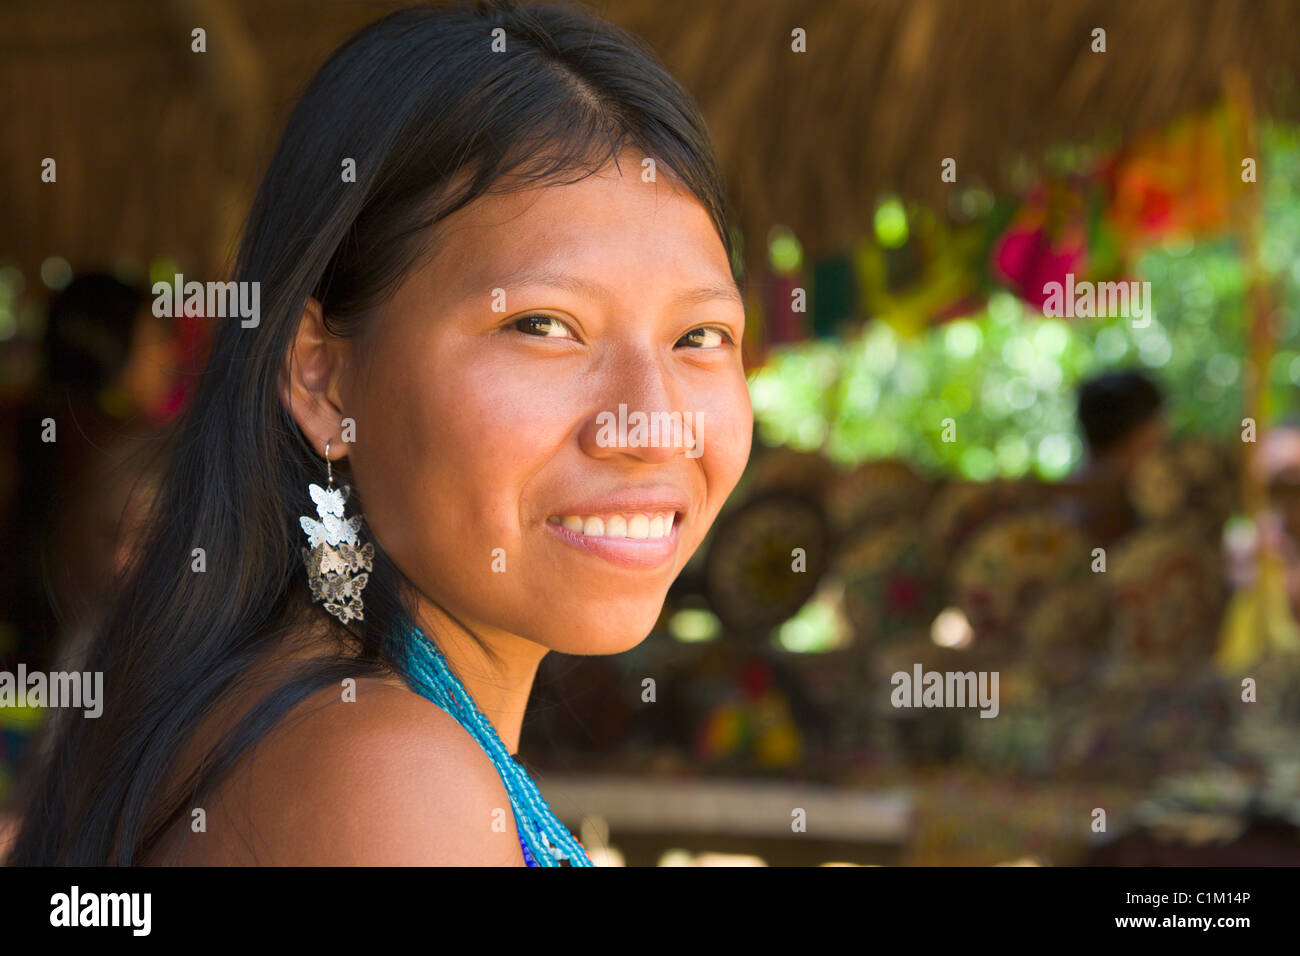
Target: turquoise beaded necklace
(544, 839)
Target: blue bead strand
(545, 841)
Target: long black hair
(435, 114)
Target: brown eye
(543, 326)
(707, 337)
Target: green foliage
(1007, 376)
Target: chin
(611, 633)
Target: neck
(500, 683)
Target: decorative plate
(765, 561)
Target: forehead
(608, 222)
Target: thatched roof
(159, 150)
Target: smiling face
(487, 469)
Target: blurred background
(1104, 511)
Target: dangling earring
(336, 567)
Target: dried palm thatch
(159, 149)
(889, 88)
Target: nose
(639, 414)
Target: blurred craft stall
(907, 176)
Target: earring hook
(329, 468)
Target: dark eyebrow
(578, 286)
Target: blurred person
(1121, 416)
(81, 496)
(438, 345)
(1277, 462)
(108, 366)
(1277, 529)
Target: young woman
(535, 235)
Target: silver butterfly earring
(337, 568)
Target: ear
(316, 368)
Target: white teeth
(639, 526)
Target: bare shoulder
(386, 779)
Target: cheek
(444, 451)
(727, 427)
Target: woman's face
(487, 469)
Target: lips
(651, 500)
